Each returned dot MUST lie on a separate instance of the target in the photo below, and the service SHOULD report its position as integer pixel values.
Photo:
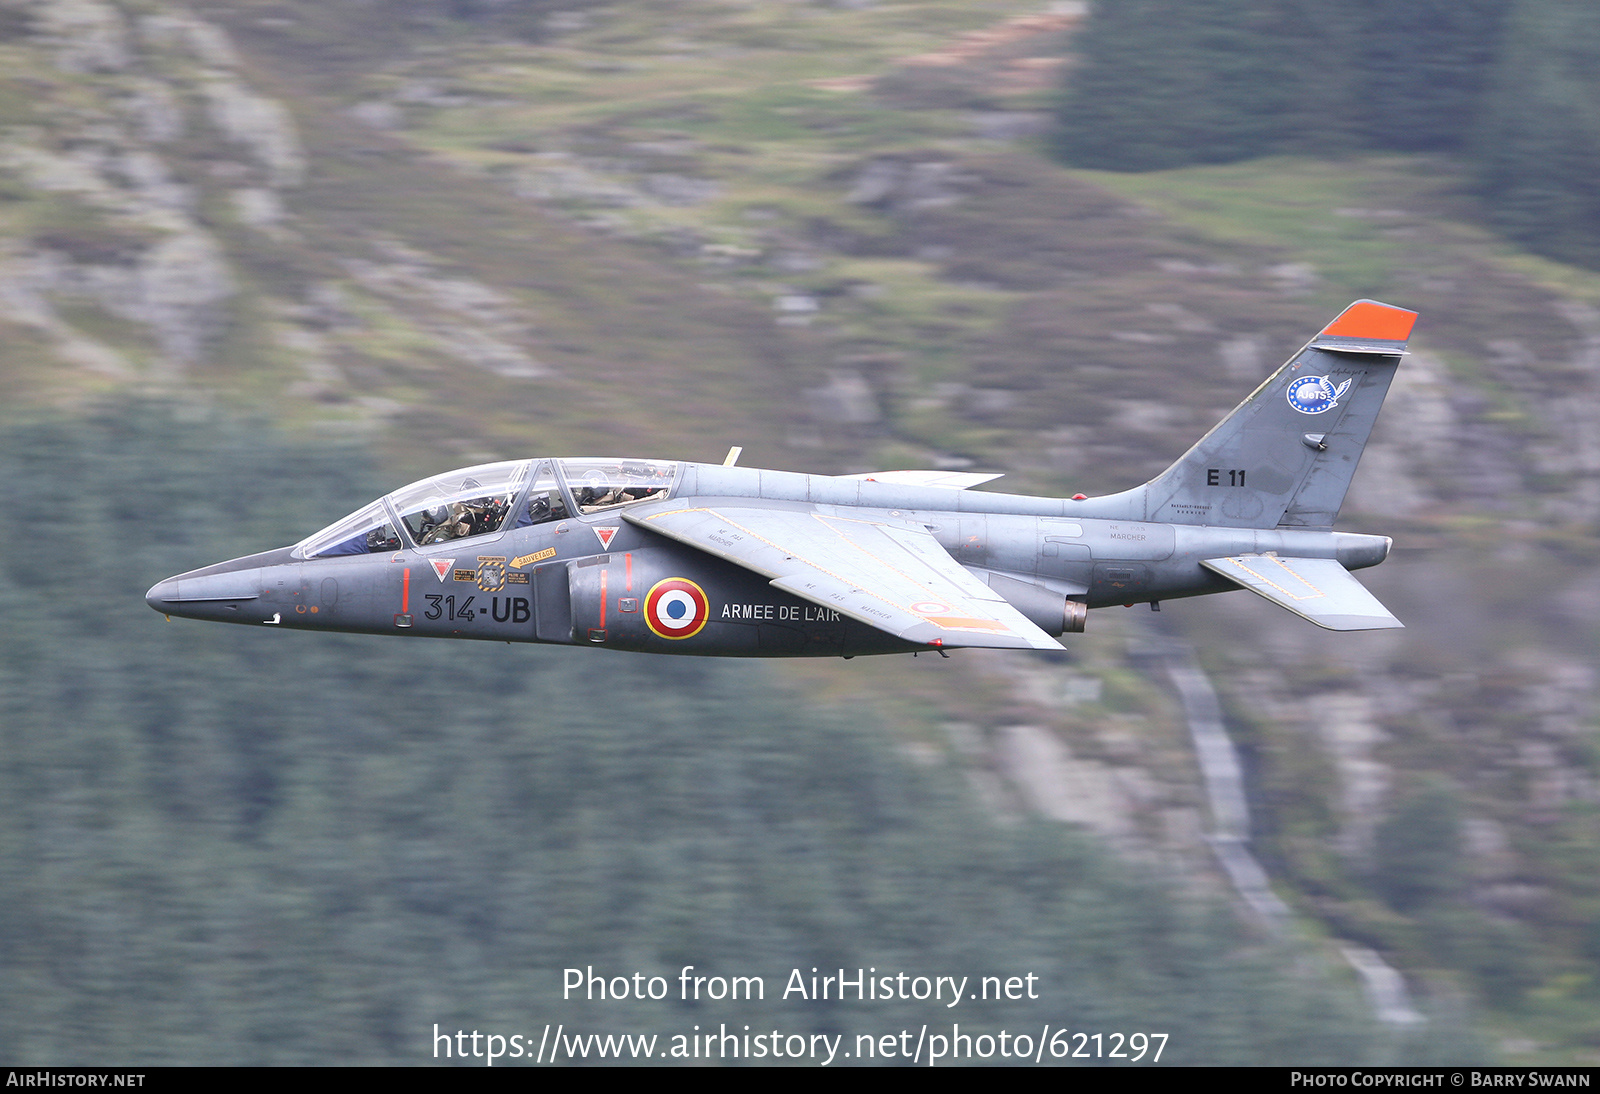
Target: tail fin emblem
(1315, 394)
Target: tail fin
(1285, 456)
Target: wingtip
(1371, 319)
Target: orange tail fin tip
(1370, 319)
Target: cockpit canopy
(489, 498)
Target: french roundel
(676, 608)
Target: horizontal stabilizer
(1319, 589)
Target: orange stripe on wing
(967, 623)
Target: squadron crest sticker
(1315, 394)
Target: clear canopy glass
(476, 501)
(368, 529)
(545, 500)
(473, 501)
(599, 483)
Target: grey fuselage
(732, 561)
(582, 579)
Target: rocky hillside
(829, 233)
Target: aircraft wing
(1318, 589)
(893, 576)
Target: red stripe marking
(405, 592)
(628, 569)
(1370, 319)
(603, 574)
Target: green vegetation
(1417, 853)
(1540, 142)
(1510, 83)
(1165, 83)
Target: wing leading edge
(893, 576)
(1318, 589)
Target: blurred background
(263, 260)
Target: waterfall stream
(1384, 987)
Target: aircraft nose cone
(203, 595)
(160, 593)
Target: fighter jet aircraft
(687, 558)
